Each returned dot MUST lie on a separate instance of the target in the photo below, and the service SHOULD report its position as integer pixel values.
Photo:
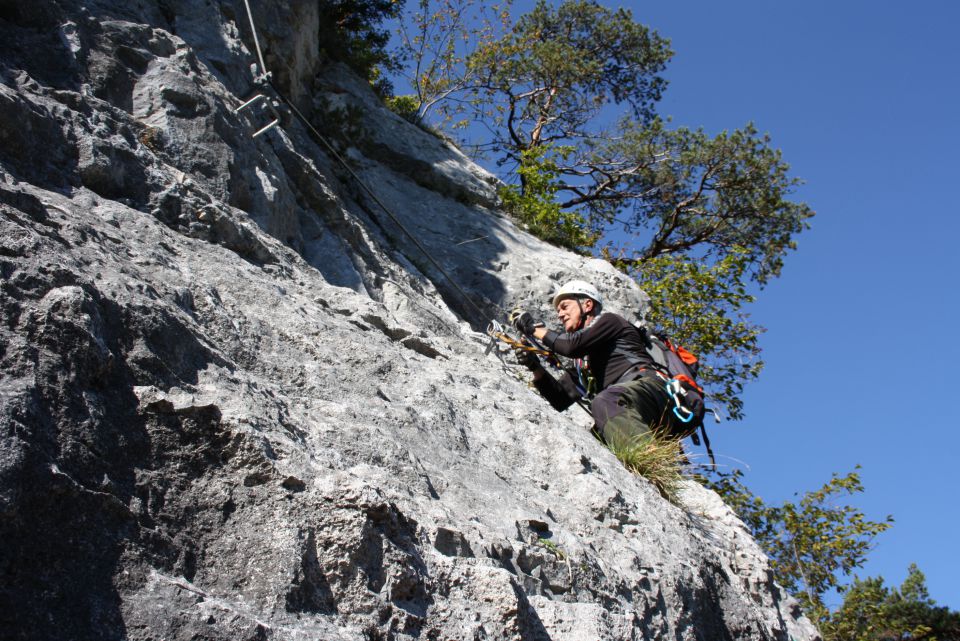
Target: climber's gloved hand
(527, 358)
(523, 321)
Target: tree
(698, 196)
(812, 544)
(873, 612)
(351, 32)
(546, 80)
(549, 82)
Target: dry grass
(660, 460)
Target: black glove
(527, 358)
(523, 321)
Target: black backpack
(681, 367)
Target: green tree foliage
(873, 612)
(351, 32)
(813, 544)
(694, 195)
(547, 80)
(404, 105)
(537, 208)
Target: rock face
(239, 402)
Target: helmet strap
(583, 314)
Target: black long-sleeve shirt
(610, 346)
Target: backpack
(681, 367)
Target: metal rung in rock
(250, 103)
(266, 129)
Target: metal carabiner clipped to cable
(493, 329)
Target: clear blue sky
(864, 99)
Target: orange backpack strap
(685, 356)
(689, 381)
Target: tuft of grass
(659, 459)
(552, 547)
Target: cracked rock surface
(238, 402)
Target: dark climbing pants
(631, 409)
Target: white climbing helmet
(577, 289)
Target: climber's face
(572, 313)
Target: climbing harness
(586, 382)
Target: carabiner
(675, 390)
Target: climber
(611, 366)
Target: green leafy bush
(404, 106)
(533, 204)
(873, 612)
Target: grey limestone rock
(237, 400)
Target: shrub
(533, 204)
(404, 106)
